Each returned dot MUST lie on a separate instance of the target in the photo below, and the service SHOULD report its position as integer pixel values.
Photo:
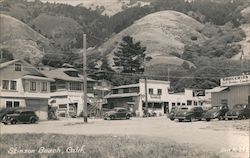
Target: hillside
(246, 28)
(164, 34)
(23, 42)
(107, 7)
(62, 30)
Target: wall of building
(234, 95)
(4, 100)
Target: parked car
(189, 113)
(21, 116)
(172, 113)
(117, 113)
(6, 111)
(217, 111)
(239, 111)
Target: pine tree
(130, 56)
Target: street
(226, 137)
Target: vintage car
(217, 111)
(239, 111)
(21, 116)
(117, 113)
(6, 111)
(191, 113)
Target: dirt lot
(230, 138)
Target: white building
(22, 85)
(133, 96)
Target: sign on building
(198, 92)
(235, 80)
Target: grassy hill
(23, 42)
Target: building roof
(60, 74)
(38, 78)
(122, 95)
(126, 86)
(2, 65)
(216, 89)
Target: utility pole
(85, 108)
(146, 93)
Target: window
(8, 104)
(173, 104)
(5, 84)
(16, 104)
(125, 90)
(75, 86)
(44, 86)
(157, 105)
(150, 91)
(159, 91)
(189, 102)
(9, 85)
(115, 91)
(33, 86)
(18, 67)
(12, 85)
(183, 104)
(178, 104)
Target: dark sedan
(189, 113)
(117, 113)
(21, 116)
(239, 111)
(218, 112)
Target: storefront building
(233, 90)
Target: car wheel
(191, 119)
(220, 117)
(180, 120)
(172, 119)
(208, 119)
(112, 117)
(5, 123)
(32, 120)
(127, 117)
(13, 122)
(105, 118)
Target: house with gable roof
(22, 85)
(67, 91)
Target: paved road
(223, 136)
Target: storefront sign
(235, 80)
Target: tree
(130, 56)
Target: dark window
(115, 91)
(173, 104)
(183, 104)
(5, 84)
(8, 104)
(195, 103)
(12, 85)
(157, 105)
(178, 104)
(18, 67)
(159, 91)
(150, 91)
(44, 86)
(189, 102)
(33, 86)
(125, 90)
(16, 104)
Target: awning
(38, 78)
(216, 89)
(123, 95)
